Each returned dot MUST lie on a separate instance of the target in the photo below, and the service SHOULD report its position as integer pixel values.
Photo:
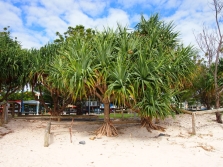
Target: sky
(35, 22)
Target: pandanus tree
(85, 67)
(143, 69)
(72, 34)
(13, 64)
(151, 72)
(13, 60)
(41, 80)
(161, 70)
(112, 51)
(121, 87)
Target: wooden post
(70, 129)
(19, 110)
(194, 123)
(47, 135)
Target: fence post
(194, 123)
(47, 135)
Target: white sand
(134, 146)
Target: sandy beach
(22, 144)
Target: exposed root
(147, 122)
(157, 121)
(107, 129)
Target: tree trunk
(56, 113)
(1, 117)
(79, 108)
(147, 122)
(208, 103)
(107, 128)
(217, 106)
(106, 112)
(5, 113)
(13, 110)
(208, 106)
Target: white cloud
(114, 16)
(132, 3)
(117, 16)
(10, 15)
(59, 7)
(92, 7)
(31, 39)
(170, 4)
(190, 17)
(77, 17)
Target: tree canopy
(145, 69)
(14, 64)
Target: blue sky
(35, 22)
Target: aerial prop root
(147, 122)
(107, 129)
